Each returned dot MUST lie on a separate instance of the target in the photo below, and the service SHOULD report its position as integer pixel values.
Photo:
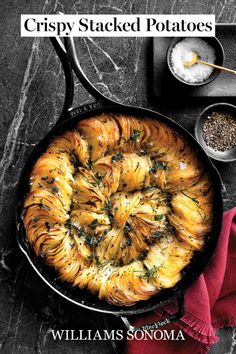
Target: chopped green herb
(134, 135)
(194, 199)
(158, 217)
(44, 178)
(204, 216)
(80, 231)
(157, 234)
(157, 166)
(92, 240)
(99, 177)
(117, 157)
(43, 206)
(127, 228)
(68, 224)
(98, 263)
(128, 241)
(142, 256)
(94, 224)
(149, 274)
(55, 190)
(108, 206)
(48, 225)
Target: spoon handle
(217, 67)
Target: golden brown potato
(118, 206)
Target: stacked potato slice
(118, 206)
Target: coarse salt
(183, 52)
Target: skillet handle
(172, 318)
(69, 83)
(71, 50)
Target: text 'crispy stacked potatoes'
(118, 206)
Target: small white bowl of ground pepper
(215, 130)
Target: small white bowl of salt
(184, 57)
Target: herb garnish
(80, 231)
(158, 217)
(55, 190)
(117, 157)
(194, 199)
(92, 240)
(128, 241)
(98, 263)
(157, 234)
(134, 135)
(99, 177)
(108, 207)
(204, 216)
(43, 206)
(148, 275)
(127, 228)
(48, 225)
(142, 256)
(157, 166)
(94, 224)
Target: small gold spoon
(196, 60)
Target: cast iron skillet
(68, 118)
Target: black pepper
(219, 131)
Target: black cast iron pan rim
(173, 293)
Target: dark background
(32, 91)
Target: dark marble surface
(32, 91)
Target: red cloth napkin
(210, 303)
